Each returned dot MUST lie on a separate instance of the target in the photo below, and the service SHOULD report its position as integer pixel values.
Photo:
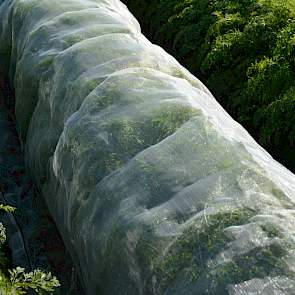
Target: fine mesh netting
(32, 240)
(153, 186)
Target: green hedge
(243, 50)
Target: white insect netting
(153, 186)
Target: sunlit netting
(154, 187)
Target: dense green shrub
(243, 50)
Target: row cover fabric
(154, 187)
(29, 229)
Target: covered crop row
(244, 52)
(154, 187)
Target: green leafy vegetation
(7, 208)
(196, 246)
(193, 254)
(17, 281)
(243, 50)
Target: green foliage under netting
(243, 50)
(17, 281)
